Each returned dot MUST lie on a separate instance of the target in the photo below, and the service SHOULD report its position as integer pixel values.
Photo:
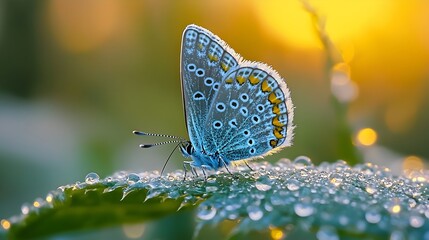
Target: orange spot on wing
(273, 98)
(278, 133)
(240, 79)
(224, 67)
(276, 122)
(273, 143)
(254, 80)
(276, 109)
(265, 87)
(229, 80)
(213, 58)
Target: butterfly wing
(205, 60)
(251, 114)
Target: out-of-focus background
(77, 76)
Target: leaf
(330, 201)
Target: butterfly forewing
(205, 60)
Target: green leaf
(330, 201)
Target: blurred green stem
(345, 148)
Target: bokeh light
(412, 163)
(5, 224)
(395, 208)
(133, 231)
(367, 136)
(276, 233)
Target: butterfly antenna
(156, 135)
(169, 156)
(158, 144)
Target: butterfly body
(234, 109)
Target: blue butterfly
(234, 109)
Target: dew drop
(255, 213)
(343, 220)
(25, 208)
(152, 194)
(133, 178)
(336, 179)
(371, 189)
(49, 198)
(397, 235)
(211, 189)
(38, 203)
(293, 184)
(416, 221)
(373, 216)
(303, 209)
(412, 203)
(92, 178)
(327, 233)
(174, 194)
(268, 207)
(302, 162)
(206, 212)
(284, 162)
(262, 186)
(387, 182)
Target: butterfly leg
(224, 164)
(186, 170)
(191, 169)
(245, 162)
(204, 172)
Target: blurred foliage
(77, 76)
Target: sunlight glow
(345, 20)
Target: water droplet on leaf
(92, 178)
(206, 212)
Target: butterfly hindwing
(251, 114)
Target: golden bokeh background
(77, 76)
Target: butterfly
(234, 109)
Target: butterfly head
(187, 149)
